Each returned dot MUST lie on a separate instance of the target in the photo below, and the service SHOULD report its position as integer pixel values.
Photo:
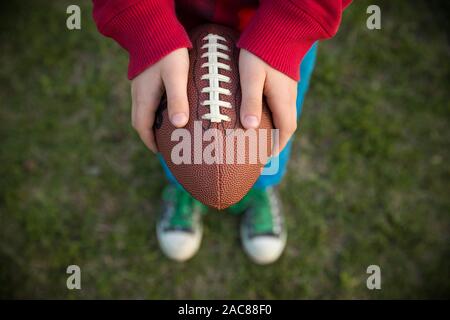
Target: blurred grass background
(368, 181)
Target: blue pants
(264, 181)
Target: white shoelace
(215, 78)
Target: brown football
(213, 157)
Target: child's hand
(170, 73)
(258, 78)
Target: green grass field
(368, 180)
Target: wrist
(280, 34)
(148, 30)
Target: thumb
(252, 86)
(175, 83)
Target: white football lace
(215, 78)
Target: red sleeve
(282, 31)
(147, 29)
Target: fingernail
(179, 119)
(251, 122)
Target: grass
(368, 181)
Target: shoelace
(214, 103)
(182, 213)
(260, 201)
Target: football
(213, 157)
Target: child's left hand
(258, 79)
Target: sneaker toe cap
(179, 245)
(264, 249)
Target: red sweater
(280, 32)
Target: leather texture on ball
(218, 185)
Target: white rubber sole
(263, 249)
(179, 245)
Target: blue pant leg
(306, 69)
(170, 177)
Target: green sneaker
(179, 227)
(263, 230)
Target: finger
(146, 96)
(252, 77)
(175, 77)
(284, 114)
(147, 136)
(143, 124)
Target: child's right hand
(169, 74)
